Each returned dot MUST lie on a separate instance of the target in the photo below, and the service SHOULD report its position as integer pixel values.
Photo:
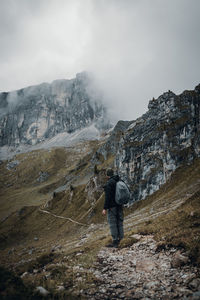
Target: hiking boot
(119, 240)
(114, 244)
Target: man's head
(109, 172)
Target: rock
(139, 272)
(152, 285)
(60, 288)
(43, 111)
(138, 295)
(103, 291)
(11, 251)
(136, 236)
(12, 164)
(139, 146)
(42, 290)
(48, 275)
(30, 252)
(55, 248)
(79, 278)
(194, 296)
(183, 291)
(145, 265)
(195, 284)
(43, 176)
(130, 294)
(179, 260)
(24, 274)
(105, 269)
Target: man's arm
(106, 189)
(107, 195)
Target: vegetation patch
(82, 201)
(37, 263)
(12, 287)
(179, 226)
(128, 241)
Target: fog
(136, 49)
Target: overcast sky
(137, 49)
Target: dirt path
(141, 272)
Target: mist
(136, 49)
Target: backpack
(122, 193)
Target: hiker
(114, 211)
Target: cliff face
(30, 115)
(146, 151)
(161, 140)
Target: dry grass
(179, 228)
(158, 214)
(19, 186)
(175, 226)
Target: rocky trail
(141, 268)
(142, 271)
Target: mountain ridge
(33, 114)
(148, 150)
(51, 203)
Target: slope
(48, 244)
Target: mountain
(147, 151)
(53, 233)
(34, 114)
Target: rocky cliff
(33, 114)
(164, 138)
(51, 221)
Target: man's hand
(104, 212)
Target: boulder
(179, 260)
(42, 291)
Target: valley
(60, 250)
(53, 235)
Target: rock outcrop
(33, 114)
(156, 144)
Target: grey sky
(137, 49)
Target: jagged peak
(165, 97)
(83, 75)
(122, 125)
(169, 96)
(46, 110)
(197, 88)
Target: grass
(158, 215)
(178, 226)
(128, 241)
(12, 287)
(37, 263)
(20, 186)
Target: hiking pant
(115, 221)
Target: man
(114, 211)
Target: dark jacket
(109, 189)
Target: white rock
(42, 290)
(152, 284)
(24, 274)
(60, 288)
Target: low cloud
(136, 49)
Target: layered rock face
(33, 114)
(161, 140)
